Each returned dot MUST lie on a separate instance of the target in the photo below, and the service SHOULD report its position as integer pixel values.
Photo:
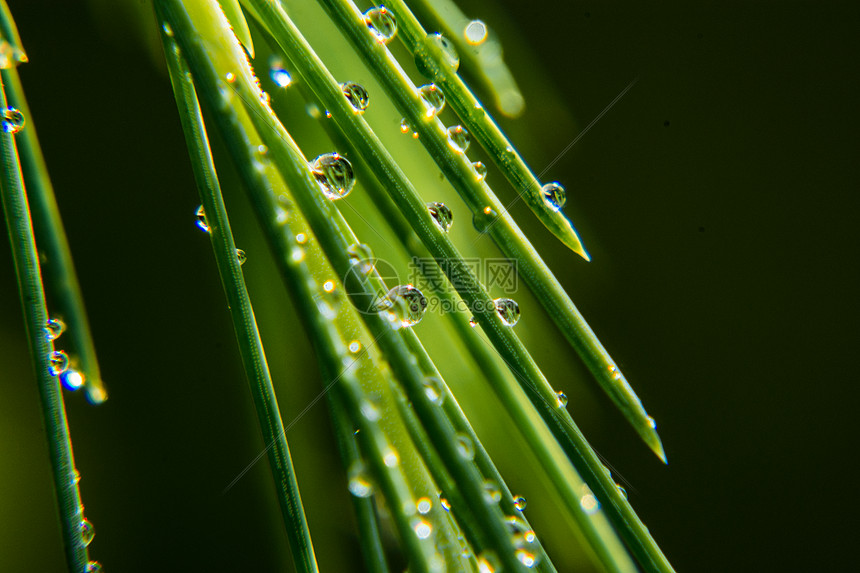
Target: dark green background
(717, 198)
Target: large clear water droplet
(434, 389)
(553, 195)
(480, 170)
(359, 484)
(94, 567)
(464, 445)
(241, 256)
(59, 362)
(520, 503)
(447, 49)
(508, 310)
(434, 98)
(442, 215)
(279, 75)
(560, 399)
(334, 175)
(54, 328)
(356, 95)
(13, 120)
(72, 379)
(475, 32)
(458, 138)
(361, 258)
(406, 303)
(88, 532)
(492, 493)
(202, 223)
(382, 23)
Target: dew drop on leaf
(433, 98)
(202, 223)
(553, 195)
(465, 447)
(442, 215)
(54, 328)
(480, 171)
(72, 379)
(13, 120)
(508, 310)
(405, 303)
(458, 138)
(561, 399)
(359, 484)
(88, 532)
(334, 175)
(382, 23)
(241, 256)
(59, 362)
(434, 389)
(356, 95)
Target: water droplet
(88, 532)
(553, 195)
(508, 310)
(230, 77)
(405, 303)
(524, 541)
(405, 127)
(54, 328)
(13, 120)
(488, 562)
(11, 56)
(447, 49)
(359, 484)
(465, 447)
(76, 476)
(446, 505)
(422, 529)
(59, 362)
(329, 286)
(458, 138)
(240, 254)
(72, 379)
(492, 493)
(621, 490)
(361, 257)
(484, 219)
(297, 255)
(382, 23)
(202, 223)
(614, 372)
(473, 322)
(652, 422)
(328, 114)
(441, 215)
(167, 29)
(354, 347)
(334, 175)
(588, 502)
(561, 399)
(356, 95)
(475, 32)
(434, 98)
(279, 75)
(313, 110)
(434, 389)
(94, 567)
(480, 170)
(424, 505)
(390, 459)
(369, 411)
(301, 238)
(520, 503)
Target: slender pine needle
(30, 287)
(250, 345)
(233, 13)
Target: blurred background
(717, 197)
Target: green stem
(244, 322)
(30, 287)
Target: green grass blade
(11, 49)
(26, 259)
(61, 281)
(250, 345)
(483, 59)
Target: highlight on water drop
(434, 389)
(361, 258)
(424, 505)
(334, 175)
(406, 127)
(433, 98)
(358, 482)
(442, 215)
(201, 221)
(12, 120)
(492, 493)
(278, 73)
(422, 528)
(88, 532)
(475, 32)
(465, 447)
(560, 399)
(508, 310)
(458, 138)
(72, 379)
(405, 303)
(356, 95)
(59, 362)
(94, 567)
(382, 23)
(480, 170)
(520, 503)
(241, 256)
(554, 195)
(54, 328)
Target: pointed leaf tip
(233, 13)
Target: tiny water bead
(458, 138)
(301, 238)
(561, 399)
(508, 310)
(59, 362)
(434, 389)
(424, 505)
(520, 503)
(492, 493)
(354, 347)
(241, 256)
(480, 170)
(442, 215)
(406, 127)
(94, 567)
(361, 258)
(465, 447)
(382, 23)
(54, 328)
(484, 219)
(422, 528)
(553, 195)
(359, 485)
(475, 32)
(334, 175)
(356, 95)
(279, 75)
(13, 120)
(434, 98)
(406, 303)
(446, 505)
(651, 422)
(621, 490)
(72, 379)
(88, 532)
(473, 322)
(202, 223)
